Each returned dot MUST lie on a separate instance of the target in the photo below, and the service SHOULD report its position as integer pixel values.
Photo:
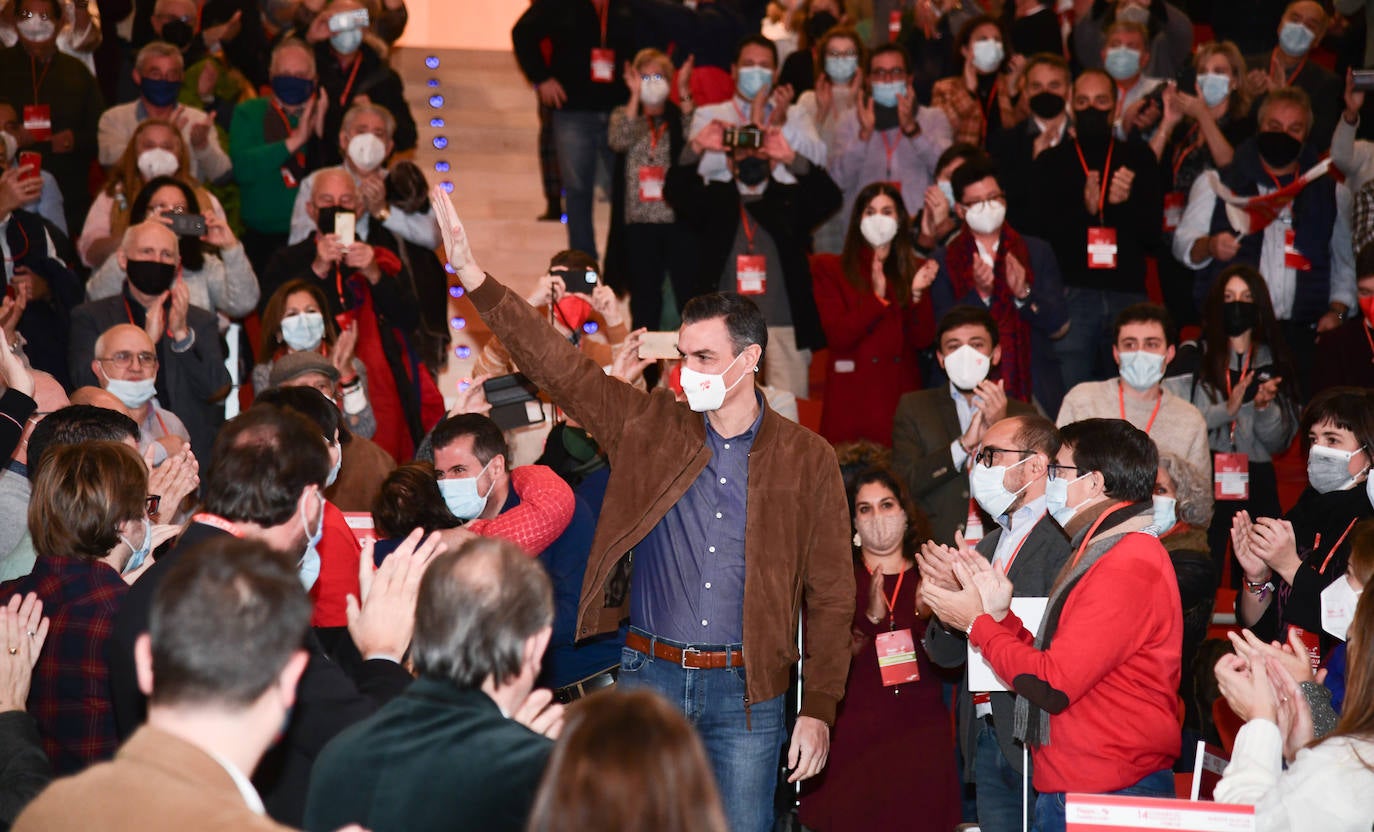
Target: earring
(857, 541)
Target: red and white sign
(360, 522)
(1112, 813)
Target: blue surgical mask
(346, 43)
(1295, 39)
(309, 566)
(1142, 370)
(947, 189)
(841, 68)
(334, 472)
(159, 92)
(1057, 498)
(1214, 87)
(292, 91)
(303, 331)
(886, 93)
(141, 552)
(754, 79)
(1165, 518)
(1122, 62)
(461, 496)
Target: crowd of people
(946, 368)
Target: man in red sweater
(1096, 685)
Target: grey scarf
(1032, 723)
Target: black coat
(789, 213)
(377, 81)
(191, 384)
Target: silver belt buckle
(682, 662)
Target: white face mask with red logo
(706, 391)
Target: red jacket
(339, 556)
(1117, 657)
(873, 350)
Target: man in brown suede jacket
(732, 518)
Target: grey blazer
(1032, 573)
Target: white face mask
(1338, 606)
(989, 489)
(1141, 370)
(36, 29)
(132, 393)
(1165, 516)
(967, 367)
(303, 331)
(986, 217)
(309, 566)
(706, 391)
(878, 229)
(366, 151)
(987, 55)
(1328, 469)
(1057, 498)
(156, 162)
(653, 91)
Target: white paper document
(980, 674)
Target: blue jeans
(580, 136)
(999, 785)
(743, 757)
(1049, 807)
(1085, 352)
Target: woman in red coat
(876, 317)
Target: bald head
(332, 188)
(98, 397)
(124, 344)
(150, 240)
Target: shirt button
(708, 584)
(727, 446)
(703, 622)
(712, 549)
(722, 480)
(718, 515)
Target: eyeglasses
(887, 74)
(151, 504)
(1054, 469)
(124, 360)
(850, 53)
(28, 15)
(987, 455)
(1002, 198)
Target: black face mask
(751, 170)
(819, 24)
(1046, 105)
(178, 33)
(1239, 317)
(326, 218)
(151, 277)
(1278, 150)
(1093, 125)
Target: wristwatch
(384, 214)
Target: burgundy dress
(892, 748)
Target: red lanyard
(160, 423)
(1244, 368)
(128, 310)
(655, 133)
(1087, 538)
(1191, 142)
(1335, 546)
(352, 76)
(890, 148)
(217, 522)
(1006, 567)
(1274, 177)
(603, 10)
(38, 79)
(1121, 399)
(286, 120)
(987, 111)
(1370, 338)
(1274, 64)
(748, 230)
(1106, 171)
(892, 602)
(22, 254)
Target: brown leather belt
(689, 657)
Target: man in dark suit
(936, 431)
(755, 231)
(483, 620)
(1030, 547)
(264, 484)
(191, 380)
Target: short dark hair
(888, 49)
(225, 620)
(1364, 262)
(965, 33)
(1144, 313)
(409, 498)
(1037, 433)
(572, 258)
(1100, 73)
(74, 424)
(1051, 60)
(964, 315)
(1124, 454)
(971, 172)
(1348, 408)
(191, 248)
(958, 150)
(311, 404)
(743, 320)
(476, 608)
(487, 439)
(264, 458)
(756, 40)
(80, 497)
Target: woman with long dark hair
(981, 99)
(888, 720)
(1246, 388)
(876, 318)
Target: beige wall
(462, 24)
